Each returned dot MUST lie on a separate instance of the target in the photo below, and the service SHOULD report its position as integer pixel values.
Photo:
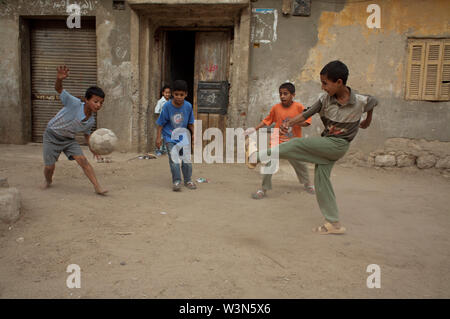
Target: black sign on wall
(302, 8)
(212, 97)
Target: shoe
(176, 186)
(190, 185)
(260, 194)
(158, 153)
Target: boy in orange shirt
(280, 114)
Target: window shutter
(433, 61)
(445, 78)
(415, 69)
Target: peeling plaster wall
(291, 48)
(113, 64)
(376, 59)
(115, 72)
(11, 114)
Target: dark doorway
(180, 50)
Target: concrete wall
(284, 48)
(113, 62)
(376, 59)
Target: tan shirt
(341, 121)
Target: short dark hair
(180, 85)
(335, 70)
(165, 86)
(94, 90)
(288, 86)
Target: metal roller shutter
(53, 44)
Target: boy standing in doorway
(165, 97)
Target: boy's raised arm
(61, 75)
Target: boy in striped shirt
(340, 110)
(73, 118)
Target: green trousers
(324, 152)
(300, 169)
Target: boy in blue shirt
(176, 117)
(73, 118)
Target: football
(103, 141)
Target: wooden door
(212, 56)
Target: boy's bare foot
(45, 185)
(100, 191)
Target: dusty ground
(216, 242)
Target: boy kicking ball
(73, 118)
(340, 110)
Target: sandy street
(145, 241)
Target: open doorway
(180, 59)
(201, 57)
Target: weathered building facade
(137, 45)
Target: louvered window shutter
(433, 61)
(415, 69)
(445, 78)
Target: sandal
(328, 228)
(260, 194)
(190, 185)
(310, 189)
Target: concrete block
(385, 160)
(9, 204)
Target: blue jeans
(163, 148)
(186, 168)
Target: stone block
(9, 204)
(426, 161)
(4, 182)
(406, 160)
(443, 163)
(385, 160)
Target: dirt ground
(217, 242)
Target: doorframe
(165, 30)
(146, 61)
